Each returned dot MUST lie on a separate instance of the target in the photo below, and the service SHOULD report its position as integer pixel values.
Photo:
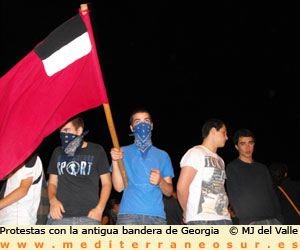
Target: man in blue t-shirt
(149, 172)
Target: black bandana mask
(71, 143)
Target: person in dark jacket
(249, 185)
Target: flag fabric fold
(58, 79)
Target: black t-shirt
(79, 178)
(250, 191)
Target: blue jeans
(137, 219)
(210, 222)
(84, 220)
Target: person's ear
(213, 131)
(131, 128)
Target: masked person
(149, 171)
(75, 170)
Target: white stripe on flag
(68, 54)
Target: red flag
(60, 78)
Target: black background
(232, 60)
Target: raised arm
(117, 154)
(165, 184)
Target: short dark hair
(77, 122)
(242, 133)
(209, 124)
(139, 110)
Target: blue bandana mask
(71, 143)
(142, 134)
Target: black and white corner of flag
(66, 44)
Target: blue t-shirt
(140, 196)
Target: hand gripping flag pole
(106, 106)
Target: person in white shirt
(22, 193)
(200, 187)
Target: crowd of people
(207, 192)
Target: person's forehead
(141, 115)
(246, 139)
(68, 125)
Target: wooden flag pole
(115, 141)
(111, 125)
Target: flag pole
(115, 141)
(110, 123)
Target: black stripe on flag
(61, 36)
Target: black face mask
(71, 143)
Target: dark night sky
(235, 61)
